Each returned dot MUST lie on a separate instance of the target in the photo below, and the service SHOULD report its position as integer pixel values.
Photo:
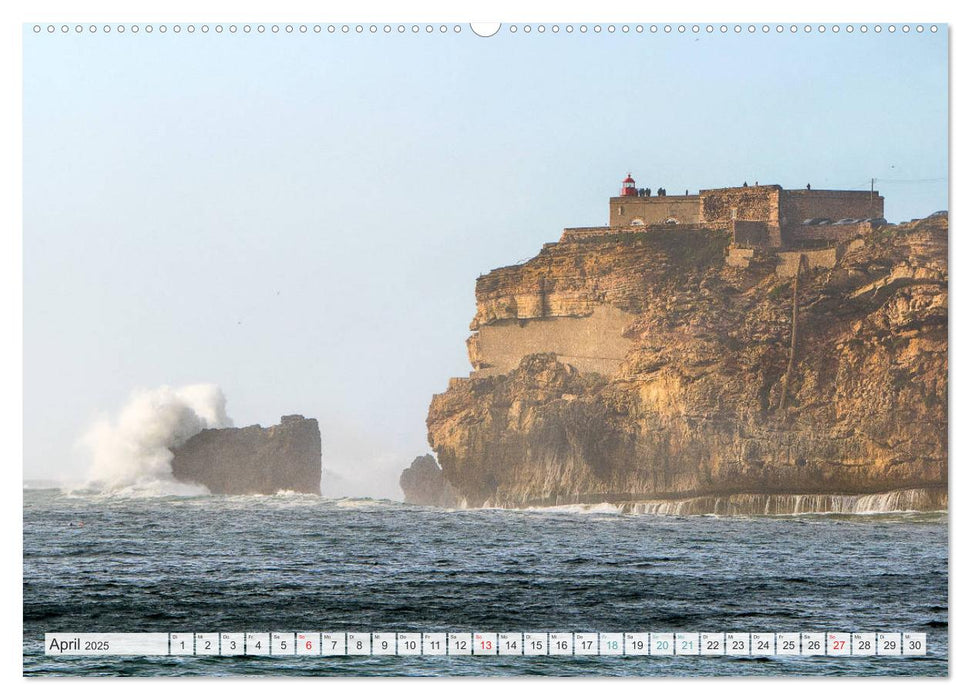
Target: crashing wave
(132, 455)
(903, 500)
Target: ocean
(301, 563)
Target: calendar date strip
(276, 644)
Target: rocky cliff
(253, 460)
(424, 484)
(714, 382)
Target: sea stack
(424, 484)
(253, 460)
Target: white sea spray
(132, 453)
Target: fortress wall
(831, 232)
(769, 204)
(751, 234)
(741, 203)
(655, 210)
(799, 205)
(577, 235)
(591, 343)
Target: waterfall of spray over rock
(133, 454)
(902, 500)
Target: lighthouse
(627, 188)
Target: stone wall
(752, 234)
(741, 203)
(839, 233)
(799, 205)
(780, 213)
(589, 233)
(685, 209)
(591, 343)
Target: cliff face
(253, 460)
(713, 395)
(424, 484)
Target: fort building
(759, 216)
(772, 230)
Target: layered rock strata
(703, 379)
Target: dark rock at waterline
(253, 460)
(424, 484)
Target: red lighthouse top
(627, 188)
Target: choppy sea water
(301, 563)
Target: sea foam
(132, 454)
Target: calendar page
(444, 348)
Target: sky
(300, 218)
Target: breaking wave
(132, 454)
(598, 508)
(900, 501)
(918, 500)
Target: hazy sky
(301, 218)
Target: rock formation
(253, 460)
(713, 381)
(424, 484)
